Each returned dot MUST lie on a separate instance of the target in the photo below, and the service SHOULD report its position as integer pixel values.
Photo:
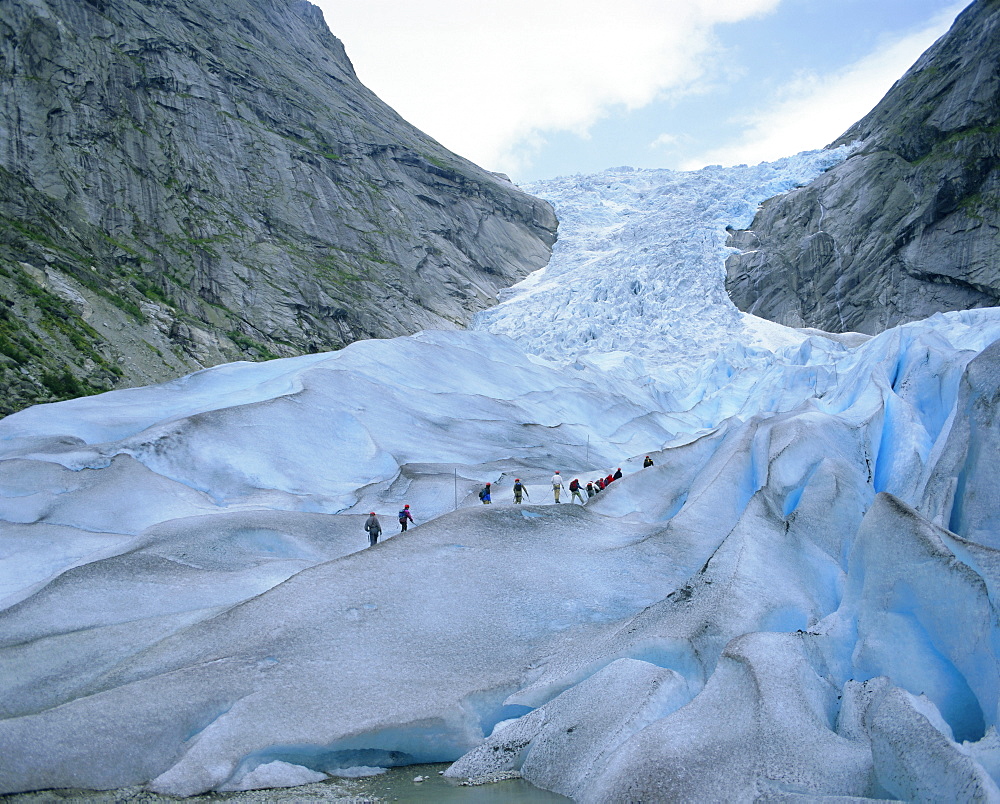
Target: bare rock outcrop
(909, 225)
(212, 182)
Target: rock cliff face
(187, 183)
(909, 225)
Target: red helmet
(406, 506)
(372, 513)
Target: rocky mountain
(910, 224)
(188, 183)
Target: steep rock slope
(187, 183)
(909, 225)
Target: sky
(544, 88)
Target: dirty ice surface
(796, 599)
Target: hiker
(404, 517)
(519, 489)
(590, 489)
(574, 486)
(647, 463)
(484, 495)
(618, 474)
(374, 529)
(599, 483)
(608, 480)
(556, 485)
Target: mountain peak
(907, 226)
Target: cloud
(665, 141)
(812, 110)
(488, 80)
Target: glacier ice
(275, 774)
(797, 600)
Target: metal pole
(456, 489)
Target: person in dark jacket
(617, 474)
(484, 495)
(404, 517)
(647, 463)
(374, 529)
(519, 490)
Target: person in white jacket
(556, 485)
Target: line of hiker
(575, 487)
(374, 528)
(597, 486)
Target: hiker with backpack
(590, 489)
(647, 463)
(484, 495)
(519, 489)
(374, 528)
(574, 486)
(404, 517)
(556, 485)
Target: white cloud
(488, 80)
(664, 141)
(813, 110)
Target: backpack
(518, 486)
(482, 494)
(574, 486)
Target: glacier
(797, 601)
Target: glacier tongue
(638, 268)
(796, 600)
